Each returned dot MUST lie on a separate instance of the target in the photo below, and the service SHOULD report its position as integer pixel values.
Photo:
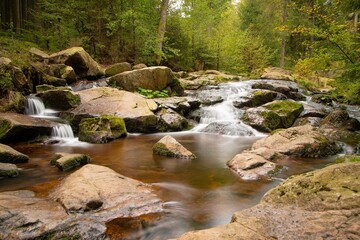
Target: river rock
(117, 68)
(153, 78)
(168, 146)
(302, 141)
(139, 66)
(61, 71)
(322, 98)
(256, 98)
(12, 78)
(339, 119)
(273, 115)
(82, 63)
(169, 120)
(10, 155)
(88, 189)
(288, 91)
(17, 127)
(313, 121)
(274, 73)
(250, 166)
(68, 161)
(228, 128)
(12, 102)
(323, 204)
(101, 129)
(8, 170)
(133, 108)
(182, 105)
(45, 87)
(59, 99)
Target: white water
(62, 131)
(34, 106)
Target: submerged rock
(59, 99)
(117, 68)
(10, 155)
(101, 129)
(273, 115)
(8, 170)
(68, 161)
(168, 146)
(323, 204)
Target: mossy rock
(59, 99)
(8, 170)
(66, 161)
(46, 87)
(257, 98)
(101, 129)
(12, 102)
(322, 98)
(117, 68)
(168, 146)
(10, 155)
(348, 159)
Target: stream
(198, 194)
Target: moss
(284, 107)
(73, 162)
(276, 131)
(5, 126)
(348, 159)
(272, 120)
(60, 99)
(161, 149)
(45, 87)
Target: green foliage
(148, 93)
(5, 81)
(348, 85)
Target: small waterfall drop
(34, 106)
(62, 131)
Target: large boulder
(273, 115)
(96, 194)
(274, 73)
(168, 146)
(61, 71)
(12, 78)
(8, 170)
(322, 204)
(256, 98)
(340, 119)
(17, 127)
(68, 161)
(229, 128)
(101, 129)
(117, 68)
(12, 102)
(288, 91)
(10, 155)
(82, 63)
(153, 78)
(133, 108)
(59, 99)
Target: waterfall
(34, 106)
(62, 131)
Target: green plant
(148, 93)
(5, 81)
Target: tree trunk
(283, 40)
(311, 47)
(16, 16)
(356, 20)
(161, 30)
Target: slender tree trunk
(356, 20)
(311, 47)
(16, 16)
(283, 40)
(161, 30)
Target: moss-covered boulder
(17, 127)
(59, 99)
(68, 161)
(82, 63)
(273, 115)
(168, 146)
(101, 129)
(61, 71)
(256, 98)
(8, 170)
(117, 68)
(10, 155)
(12, 102)
(153, 78)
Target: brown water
(199, 194)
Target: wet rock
(339, 119)
(51, 80)
(182, 105)
(250, 166)
(12, 102)
(88, 189)
(86, 84)
(228, 128)
(310, 111)
(273, 115)
(134, 109)
(170, 120)
(153, 78)
(68, 161)
(168, 146)
(322, 98)
(117, 68)
(139, 66)
(61, 71)
(82, 63)
(313, 121)
(101, 129)
(17, 127)
(8, 170)
(10, 155)
(288, 91)
(59, 99)
(256, 98)
(277, 74)
(302, 141)
(322, 204)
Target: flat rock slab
(68, 161)
(8, 170)
(17, 127)
(10, 155)
(94, 195)
(323, 204)
(168, 146)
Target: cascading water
(34, 106)
(62, 131)
(223, 117)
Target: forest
(314, 38)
